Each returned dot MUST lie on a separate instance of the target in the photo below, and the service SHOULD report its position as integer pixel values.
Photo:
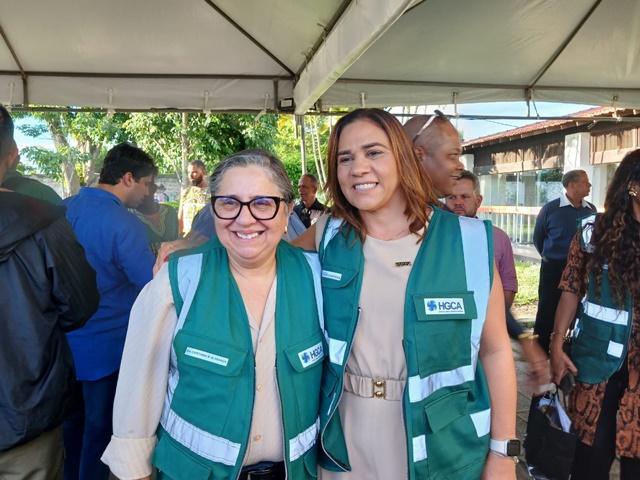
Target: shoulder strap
(186, 278)
(586, 224)
(330, 231)
(316, 272)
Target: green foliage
(79, 138)
(528, 279)
(46, 161)
(287, 146)
(209, 138)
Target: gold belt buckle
(379, 388)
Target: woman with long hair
(419, 380)
(603, 271)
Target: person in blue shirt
(556, 225)
(116, 246)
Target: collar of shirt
(565, 202)
(99, 192)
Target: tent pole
(303, 143)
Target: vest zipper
(339, 464)
(404, 415)
(284, 435)
(250, 417)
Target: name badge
(443, 306)
(206, 356)
(331, 275)
(311, 355)
(458, 305)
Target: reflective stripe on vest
(481, 421)
(606, 314)
(301, 444)
(211, 447)
(474, 243)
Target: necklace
(405, 229)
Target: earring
(286, 228)
(632, 192)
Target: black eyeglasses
(436, 114)
(261, 208)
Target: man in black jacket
(47, 288)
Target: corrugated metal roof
(544, 127)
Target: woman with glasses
(419, 380)
(221, 371)
(602, 277)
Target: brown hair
(414, 181)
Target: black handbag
(550, 442)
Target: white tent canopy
(248, 55)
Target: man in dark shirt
(555, 227)
(309, 208)
(47, 288)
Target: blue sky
(471, 128)
(480, 128)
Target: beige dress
(373, 427)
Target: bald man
(437, 144)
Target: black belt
(263, 471)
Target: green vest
(206, 418)
(601, 335)
(446, 398)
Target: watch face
(513, 448)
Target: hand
(561, 364)
(498, 468)
(538, 363)
(167, 248)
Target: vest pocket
(444, 321)
(174, 463)
(334, 276)
(210, 373)
(589, 350)
(451, 438)
(306, 354)
(306, 360)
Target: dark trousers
(88, 429)
(594, 462)
(548, 298)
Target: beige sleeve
(142, 383)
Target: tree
(287, 147)
(173, 139)
(79, 139)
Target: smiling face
(250, 243)
(464, 201)
(367, 169)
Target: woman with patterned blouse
(603, 267)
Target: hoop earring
(632, 192)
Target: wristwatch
(506, 448)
